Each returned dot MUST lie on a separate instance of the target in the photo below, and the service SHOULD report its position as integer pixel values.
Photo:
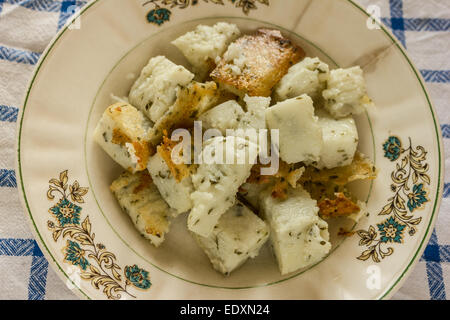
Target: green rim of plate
(383, 28)
(439, 143)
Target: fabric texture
(27, 26)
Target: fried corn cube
(340, 141)
(238, 236)
(255, 115)
(225, 116)
(122, 132)
(192, 101)
(203, 45)
(231, 116)
(254, 64)
(299, 237)
(155, 91)
(306, 77)
(299, 130)
(141, 200)
(217, 180)
(346, 93)
(176, 193)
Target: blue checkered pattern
(437, 254)
(38, 268)
(25, 251)
(434, 256)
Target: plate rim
(386, 294)
(439, 192)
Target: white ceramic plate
(94, 246)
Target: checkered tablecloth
(27, 26)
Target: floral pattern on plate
(410, 181)
(81, 250)
(159, 15)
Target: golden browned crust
(119, 137)
(256, 177)
(137, 189)
(268, 58)
(156, 222)
(320, 191)
(122, 113)
(124, 179)
(179, 171)
(225, 96)
(145, 181)
(361, 168)
(192, 102)
(143, 148)
(340, 206)
(344, 233)
(286, 175)
(135, 136)
(211, 65)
